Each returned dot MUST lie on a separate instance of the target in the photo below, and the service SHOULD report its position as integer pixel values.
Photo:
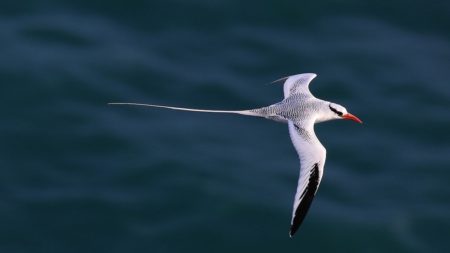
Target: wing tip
(280, 79)
(293, 230)
(313, 75)
(306, 197)
(291, 235)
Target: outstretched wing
(297, 84)
(312, 160)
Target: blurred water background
(80, 176)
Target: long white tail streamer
(242, 112)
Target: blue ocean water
(80, 176)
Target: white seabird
(300, 110)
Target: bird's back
(296, 108)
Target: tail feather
(242, 112)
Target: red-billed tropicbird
(301, 110)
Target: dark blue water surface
(78, 175)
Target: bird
(301, 110)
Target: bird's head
(335, 111)
(339, 112)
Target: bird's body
(300, 110)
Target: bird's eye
(335, 111)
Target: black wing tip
(293, 230)
(307, 198)
(291, 233)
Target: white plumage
(301, 110)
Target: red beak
(352, 117)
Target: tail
(242, 112)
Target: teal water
(80, 176)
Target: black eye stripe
(335, 111)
